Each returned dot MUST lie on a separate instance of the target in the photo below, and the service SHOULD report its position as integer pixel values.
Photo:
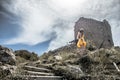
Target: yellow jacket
(81, 42)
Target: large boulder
(96, 31)
(7, 62)
(7, 56)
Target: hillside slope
(67, 62)
(78, 64)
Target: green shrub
(26, 55)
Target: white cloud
(63, 36)
(35, 21)
(40, 18)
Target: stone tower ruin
(96, 31)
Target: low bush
(27, 55)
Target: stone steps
(33, 77)
(38, 73)
(37, 69)
(44, 65)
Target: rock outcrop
(7, 62)
(7, 56)
(11, 64)
(96, 31)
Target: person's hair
(81, 30)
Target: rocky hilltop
(72, 64)
(99, 61)
(65, 63)
(11, 61)
(99, 32)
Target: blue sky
(42, 25)
(9, 30)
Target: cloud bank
(43, 20)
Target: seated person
(80, 36)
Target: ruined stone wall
(96, 31)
